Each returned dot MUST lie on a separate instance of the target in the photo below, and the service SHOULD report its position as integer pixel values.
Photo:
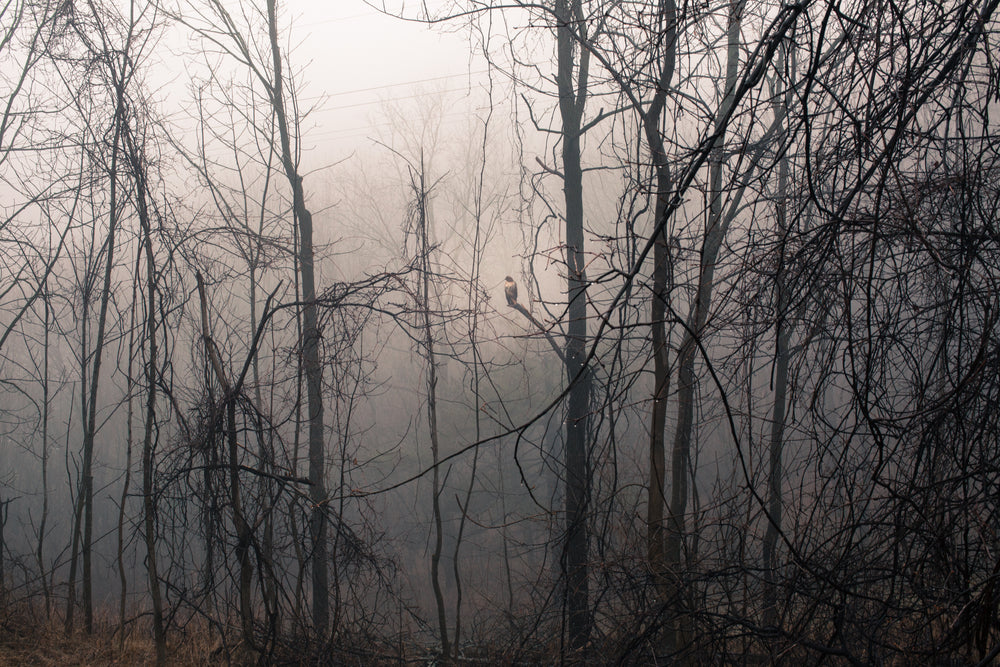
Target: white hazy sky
(352, 64)
(356, 59)
(351, 60)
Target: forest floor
(25, 643)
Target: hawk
(510, 291)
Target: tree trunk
(126, 483)
(425, 306)
(40, 553)
(136, 160)
(698, 316)
(782, 334)
(572, 100)
(474, 310)
(310, 344)
(243, 536)
(90, 423)
(4, 506)
(775, 472)
(148, 505)
(656, 495)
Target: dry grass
(25, 641)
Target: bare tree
(573, 86)
(419, 222)
(266, 64)
(135, 155)
(775, 238)
(781, 102)
(310, 336)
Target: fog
(574, 332)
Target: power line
(391, 99)
(360, 131)
(370, 14)
(393, 85)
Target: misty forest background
(743, 407)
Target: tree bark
(243, 536)
(148, 473)
(126, 483)
(656, 495)
(572, 100)
(782, 335)
(136, 160)
(309, 344)
(42, 524)
(420, 190)
(698, 316)
(90, 417)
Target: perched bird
(510, 291)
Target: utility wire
(413, 82)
